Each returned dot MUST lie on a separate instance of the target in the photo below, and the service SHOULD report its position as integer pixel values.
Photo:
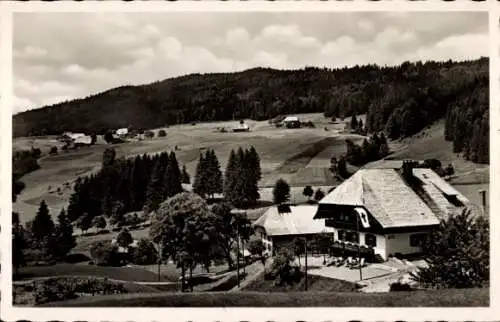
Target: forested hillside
(401, 100)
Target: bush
(104, 253)
(145, 253)
(400, 287)
(162, 133)
(61, 289)
(53, 150)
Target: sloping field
(280, 151)
(435, 298)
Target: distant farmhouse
(291, 122)
(121, 132)
(83, 140)
(242, 127)
(393, 212)
(73, 140)
(69, 136)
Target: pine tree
(230, 177)
(255, 163)
(64, 238)
(200, 182)
(154, 194)
(185, 178)
(354, 122)
(43, 226)
(281, 192)
(213, 174)
(172, 179)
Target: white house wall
(400, 243)
(381, 242)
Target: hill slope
(401, 100)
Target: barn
(291, 122)
(387, 212)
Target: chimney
(482, 193)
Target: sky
(62, 56)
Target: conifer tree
(230, 177)
(172, 179)
(64, 238)
(185, 178)
(43, 226)
(213, 174)
(154, 194)
(200, 182)
(281, 192)
(354, 122)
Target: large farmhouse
(392, 210)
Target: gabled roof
(291, 119)
(387, 197)
(86, 139)
(299, 221)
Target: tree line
(400, 100)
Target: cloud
(60, 56)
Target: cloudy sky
(59, 56)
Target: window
(370, 240)
(353, 237)
(416, 240)
(342, 235)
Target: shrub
(400, 287)
(104, 253)
(145, 253)
(61, 289)
(162, 133)
(53, 150)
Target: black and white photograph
(250, 159)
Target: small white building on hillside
(122, 131)
(83, 140)
(291, 122)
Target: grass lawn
(314, 284)
(434, 298)
(117, 273)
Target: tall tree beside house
(18, 244)
(457, 254)
(64, 239)
(185, 227)
(281, 192)
(230, 226)
(185, 178)
(200, 183)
